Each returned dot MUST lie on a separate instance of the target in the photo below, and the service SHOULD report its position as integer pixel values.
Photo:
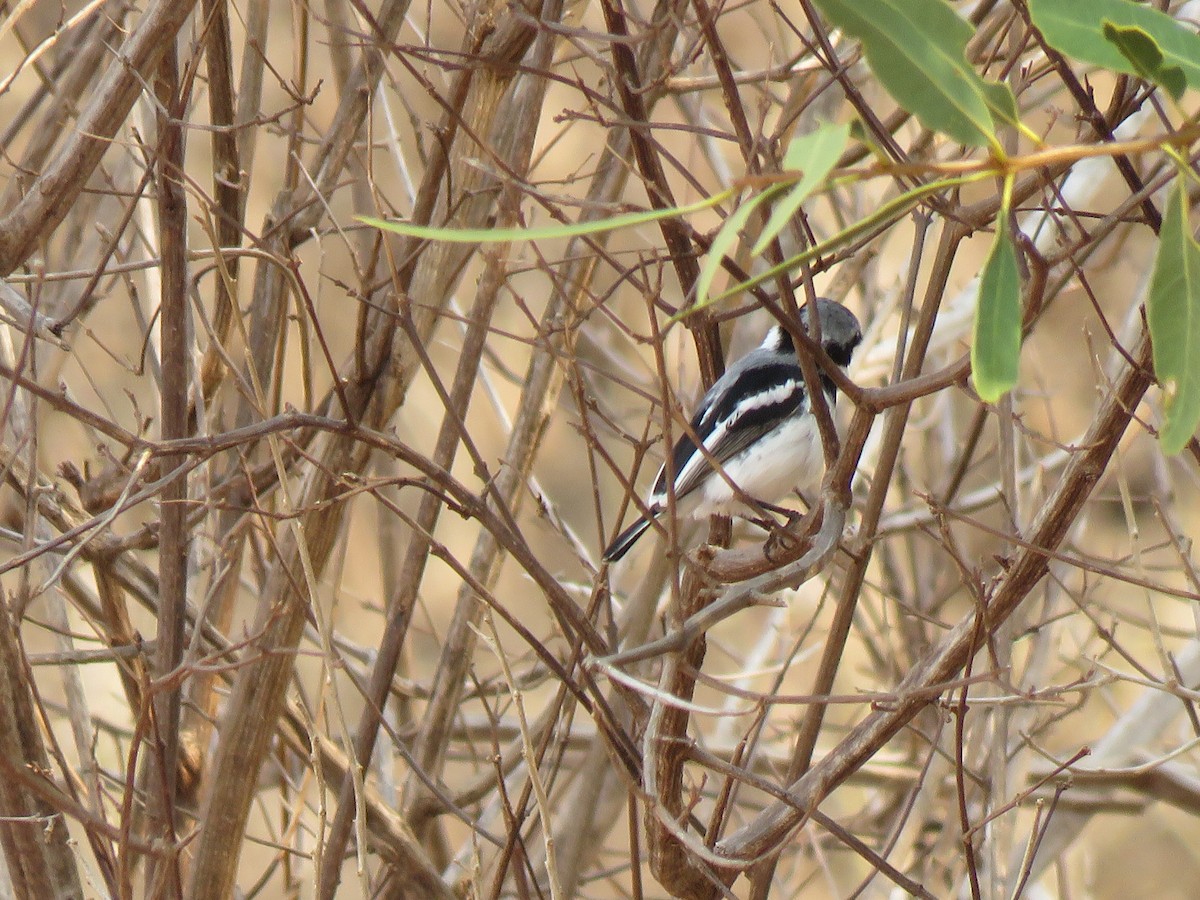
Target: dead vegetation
(302, 522)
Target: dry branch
(267, 475)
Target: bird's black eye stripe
(761, 394)
(779, 340)
(841, 352)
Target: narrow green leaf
(1076, 28)
(815, 155)
(1173, 315)
(547, 232)
(1146, 57)
(1135, 45)
(916, 48)
(861, 134)
(1000, 100)
(818, 150)
(996, 348)
(725, 239)
(877, 221)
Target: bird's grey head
(840, 332)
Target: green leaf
(724, 240)
(1146, 57)
(815, 155)
(996, 348)
(916, 48)
(880, 219)
(1001, 102)
(1076, 28)
(860, 133)
(1173, 315)
(547, 232)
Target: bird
(756, 423)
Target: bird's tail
(626, 539)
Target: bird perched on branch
(757, 426)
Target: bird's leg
(779, 535)
(792, 515)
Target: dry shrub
(282, 492)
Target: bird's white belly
(767, 470)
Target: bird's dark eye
(841, 351)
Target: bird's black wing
(757, 398)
